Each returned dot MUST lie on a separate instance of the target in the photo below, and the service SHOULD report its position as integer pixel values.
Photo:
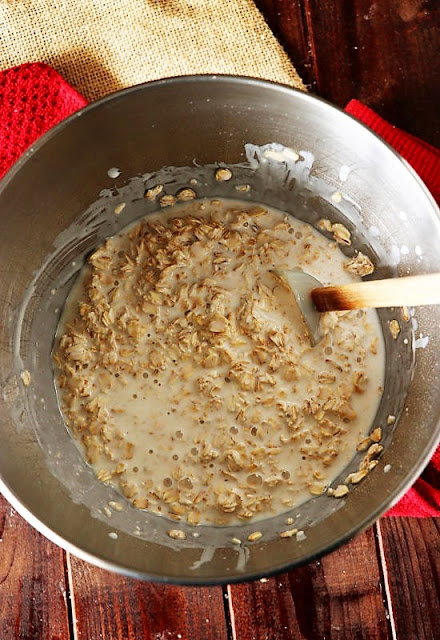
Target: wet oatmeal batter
(186, 375)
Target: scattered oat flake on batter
(363, 444)
(394, 329)
(405, 314)
(376, 435)
(186, 194)
(119, 208)
(117, 506)
(356, 477)
(289, 533)
(177, 534)
(167, 200)
(256, 535)
(26, 377)
(222, 175)
(153, 192)
(340, 491)
(340, 233)
(360, 265)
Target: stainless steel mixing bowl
(174, 122)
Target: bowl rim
(183, 79)
(354, 530)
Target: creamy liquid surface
(185, 373)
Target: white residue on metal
(421, 343)
(344, 172)
(394, 255)
(281, 156)
(207, 556)
(300, 536)
(308, 158)
(114, 172)
(273, 161)
(106, 193)
(243, 557)
(374, 231)
(113, 535)
(353, 202)
(294, 161)
(387, 468)
(291, 154)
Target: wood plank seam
(412, 551)
(286, 20)
(230, 615)
(385, 579)
(71, 598)
(311, 45)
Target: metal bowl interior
(174, 122)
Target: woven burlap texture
(100, 46)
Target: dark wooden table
(386, 582)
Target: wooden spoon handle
(394, 292)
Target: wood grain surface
(339, 596)
(33, 590)
(383, 52)
(386, 582)
(110, 606)
(410, 556)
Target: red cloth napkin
(423, 499)
(34, 97)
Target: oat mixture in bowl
(188, 379)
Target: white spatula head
(300, 285)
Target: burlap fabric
(100, 46)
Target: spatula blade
(300, 284)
